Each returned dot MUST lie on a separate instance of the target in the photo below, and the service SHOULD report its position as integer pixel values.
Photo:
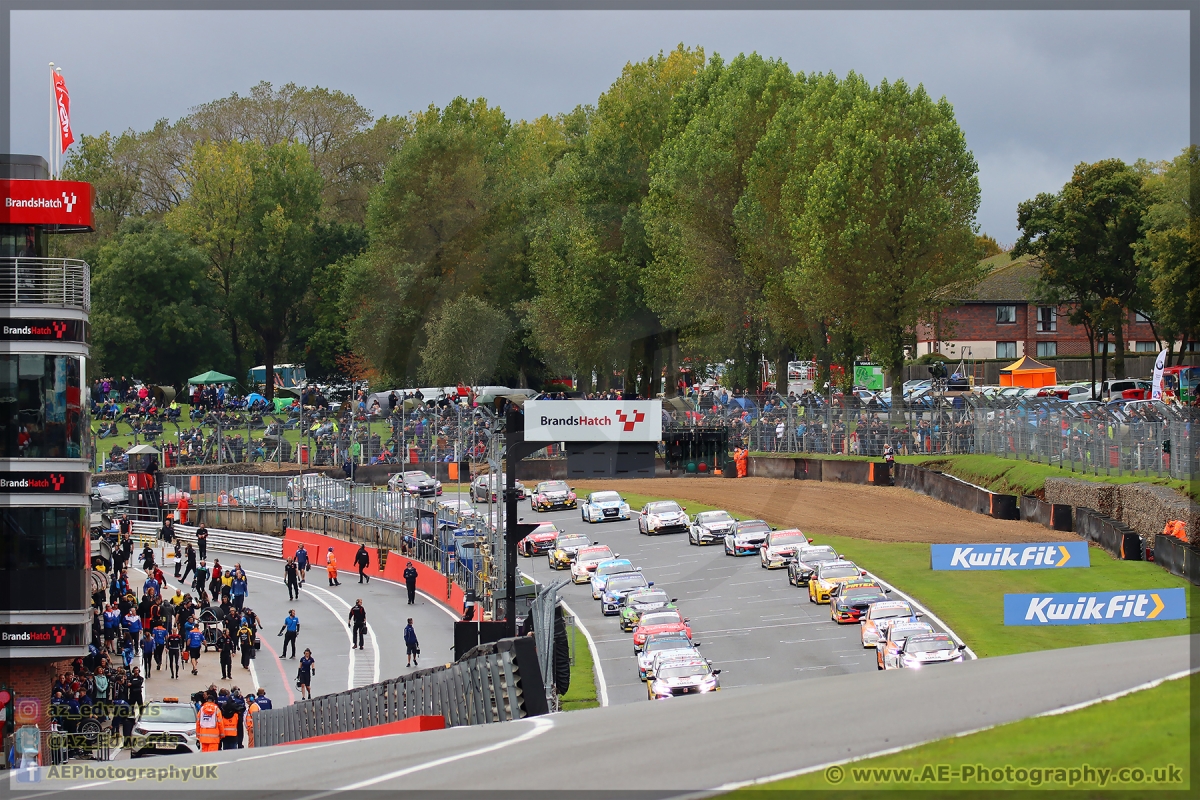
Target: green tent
(281, 404)
(212, 376)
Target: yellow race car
(565, 548)
(828, 575)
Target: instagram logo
(27, 711)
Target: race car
(615, 589)
(600, 574)
(486, 485)
(659, 616)
(887, 650)
(827, 575)
(663, 516)
(552, 495)
(710, 527)
(849, 601)
(564, 549)
(678, 644)
(643, 632)
(639, 603)
(779, 548)
(746, 537)
(874, 624)
(802, 566)
(415, 482)
(683, 676)
(540, 541)
(926, 649)
(586, 559)
(603, 507)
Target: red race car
(540, 542)
(654, 626)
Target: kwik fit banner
(1043, 555)
(1094, 608)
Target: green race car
(639, 602)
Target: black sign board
(38, 330)
(42, 635)
(43, 483)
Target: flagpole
(50, 153)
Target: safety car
(565, 547)
(746, 537)
(780, 546)
(828, 574)
(663, 516)
(887, 650)
(802, 565)
(486, 485)
(874, 624)
(551, 496)
(415, 482)
(603, 507)
(165, 728)
(710, 527)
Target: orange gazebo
(1028, 373)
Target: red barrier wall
(410, 725)
(429, 580)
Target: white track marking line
(540, 726)
(595, 654)
(729, 787)
(925, 611)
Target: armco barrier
(956, 493)
(1178, 558)
(429, 580)
(1055, 516)
(846, 472)
(492, 683)
(218, 539)
(782, 468)
(1115, 537)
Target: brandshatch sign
(44, 483)
(42, 330)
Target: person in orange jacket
(331, 568)
(210, 726)
(229, 725)
(251, 707)
(740, 458)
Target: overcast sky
(1035, 92)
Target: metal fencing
(1149, 438)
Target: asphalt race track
(750, 622)
(743, 734)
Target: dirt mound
(881, 513)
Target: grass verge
(1154, 726)
(972, 603)
(582, 693)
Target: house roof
(1010, 280)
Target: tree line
(700, 212)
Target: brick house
(1002, 319)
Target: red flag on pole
(63, 101)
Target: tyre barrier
(1115, 537)
(1178, 558)
(497, 682)
(1055, 516)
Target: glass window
(40, 411)
(1047, 349)
(43, 538)
(22, 241)
(1006, 349)
(1047, 319)
(1140, 317)
(1146, 347)
(1006, 314)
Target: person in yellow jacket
(210, 726)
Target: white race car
(663, 516)
(668, 645)
(882, 615)
(710, 527)
(603, 507)
(887, 651)
(586, 559)
(780, 546)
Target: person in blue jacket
(239, 589)
(195, 643)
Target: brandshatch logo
(54, 482)
(56, 329)
(629, 423)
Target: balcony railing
(62, 282)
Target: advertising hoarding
(593, 420)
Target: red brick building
(1002, 319)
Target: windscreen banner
(976, 557)
(1094, 608)
(593, 420)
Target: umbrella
(212, 376)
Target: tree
(698, 280)
(1169, 253)
(463, 343)
(1084, 238)
(988, 246)
(152, 314)
(882, 194)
